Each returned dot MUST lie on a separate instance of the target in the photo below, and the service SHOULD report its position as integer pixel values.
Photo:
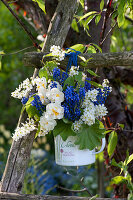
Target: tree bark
(19, 154)
(99, 60)
(4, 195)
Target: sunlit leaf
(87, 15)
(41, 4)
(63, 130)
(92, 73)
(112, 142)
(101, 5)
(117, 180)
(89, 136)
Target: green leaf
(78, 78)
(1, 53)
(112, 143)
(101, 5)
(97, 19)
(89, 19)
(74, 26)
(43, 73)
(87, 15)
(89, 136)
(77, 47)
(41, 4)
(114, 163)
(82, 3)
(95, 84)
(69, 81)
(31, 110)
(121, 125)
(130, 159)
(37, 132)
(91, 49)
(64, 130)
(92, 73)
(121, 13)
(117, 180)
(97, 47)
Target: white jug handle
(102, 147)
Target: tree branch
(14, 196)
(98, 59)
(22, 25)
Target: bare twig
(108, 33)
(16, 52)
(81, 181)
(22, 25)
(107, 14)
(69, 190)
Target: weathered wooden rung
(15, 196)
(96, 59)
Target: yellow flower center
(57, 95)
(55, 112)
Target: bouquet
(65, 102)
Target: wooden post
(19, 154)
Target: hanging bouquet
(65, 102)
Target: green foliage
(92, 73)
(101, 5)
(74, 26)
(97, 19)
(41, 4)
(43, 73)
(126, 177)
(77, 47)
(95, 84)
(31, 110)
(12, 71)
(63, 129)
(89, 136)
(112, 142)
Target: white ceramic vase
(68, 154)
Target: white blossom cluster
(52, 98)
(57, 52)
(24, 129)
(73, 71)
(106, 84)
(22, 90)
(91, 111)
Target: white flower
(73, 71)
(41, 38)
(54, 48)
(42, 95)
(24, 129)
(91, 94)
(42, 132)
(54, 95)
(41, 83)
(88, 118)
(57, 52)
(23, 89)
(47, 123)
(54, 111)
(83, 76)
(101, 110)
(105, 83)
(77, 125)
(55, 84)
